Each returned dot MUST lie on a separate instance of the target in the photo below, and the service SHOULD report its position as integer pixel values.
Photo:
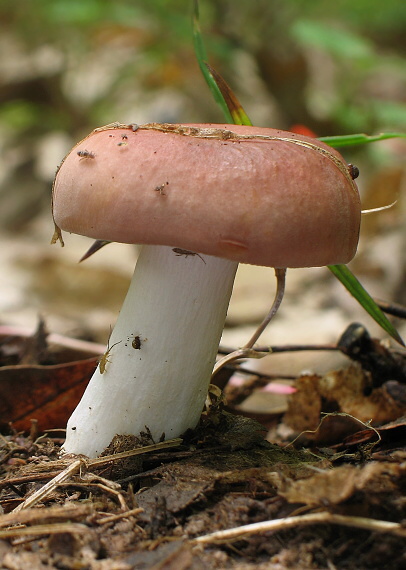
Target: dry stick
(28, 478)
(299, 347)
(50, 486)
(108, 489)
(394, 309)
(366, 425)
(138, 451)
(247, 351)
(74, 467)
(280, 275)
(39, 530)
(56, 513)
(113, 518)
(236, 355)
(374, 210)
(238, 533)
(286, 348)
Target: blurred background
(68, 66)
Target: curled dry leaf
(348, 390)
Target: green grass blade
(351, 140)
(235, 113)
(354, 287)
(201, 60)
(239, 116)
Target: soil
(318, 486)
(149, 510)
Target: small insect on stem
(160, 188)
(353, 170)
(104, 357)
(136, 343)
(186, 253)
(85, 154)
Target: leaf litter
(328, 495)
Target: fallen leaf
(48, 394)
(349, 391)
(335, 486)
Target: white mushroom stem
(161, 352)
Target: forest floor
(223, 495)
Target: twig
(113, 518)
(280, 274)
(46, 516)
(74, 468)
(28, 478)
(374, 210)
(117, 494)
(56, 528)
(366, 425)
(394, 309)
(287, 348)
(139, 451)
(237, 355)
(50, 486)
(277, 525)
(247, 351)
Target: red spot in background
(302, 130)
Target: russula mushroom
(201, 199)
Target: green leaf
(223, 94)
(351, 140)
(354, 287)
(201, 59)
(338, 42)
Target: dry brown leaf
(47, 393)
(337, 485)
(340, 391)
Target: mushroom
(200, 199)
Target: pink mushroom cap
(275, 198)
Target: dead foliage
(328, 494)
